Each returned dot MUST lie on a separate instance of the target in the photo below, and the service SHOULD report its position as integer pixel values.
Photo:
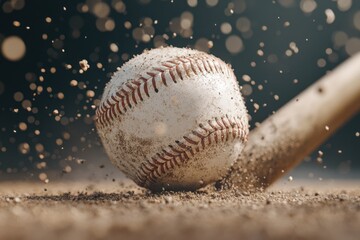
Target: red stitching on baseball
(130, 92)
(166, 159)
(118, 95)
(173, 76)
(163, 78)
(190, 140)
(178, 71)
(193, 68)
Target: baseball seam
(133, 91)
(213, 131)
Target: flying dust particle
(22, 126)
(41, 165)
(246, 78)
(73, 83)
(67, 169)
(16, 23)
(80, 161)
(320, 153)
(43, 177)
(330, 16)
(24, 148)
(90, 93)
(84, 65)
(256, 107)
(114, 48)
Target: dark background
(66, 137)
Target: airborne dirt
(71, 210)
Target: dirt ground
(107, 210)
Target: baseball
(173, 119)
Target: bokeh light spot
(13, 48)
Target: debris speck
(320, 153)
(84, 65)
(330, 16)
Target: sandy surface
(74, 210)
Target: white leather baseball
(173, 118)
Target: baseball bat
(297, 129)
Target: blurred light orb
(127, 25)
(145, 38)
(147, 21)
(321, 63)
(17, 4)
(226, 28)
(119, 6)
(24, 148)
(246, 89)
(234, 44)
(352, 46)
(286, 3)
(344, 5)
(114, 48)
(186, 20)
(202, 44)
(101, 10)
(13, 48)
(192, 3)
(357, 20)
(159, 41)
(109, 25)
(243, 24)
(238, 6)
(212, 3)
(105, 24)
(308, 6)
(18, 96)
(339, 39)
(23, 126)
(12, 5)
